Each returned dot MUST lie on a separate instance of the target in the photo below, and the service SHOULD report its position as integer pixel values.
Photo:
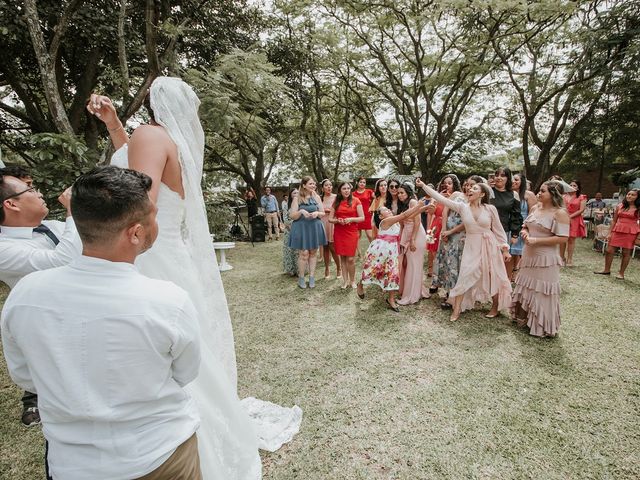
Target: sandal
(602, 273)
(360, 289)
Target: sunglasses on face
(392, 187)
(30, 189)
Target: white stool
(223, 266)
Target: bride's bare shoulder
(154, 132)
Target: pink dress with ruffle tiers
(537, 289)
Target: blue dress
(307, 233)
(516, 248)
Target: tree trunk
(47, 70)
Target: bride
(170, 150)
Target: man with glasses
(28, 243)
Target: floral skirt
(381, 265)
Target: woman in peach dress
(328, 198)
(413, 245)
(482, 275)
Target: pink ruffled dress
(537, 290)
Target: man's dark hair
(15, 171)
(107, 200)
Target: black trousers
(29, 399)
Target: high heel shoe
(360, 291)
(394, 308)
(312, 282)
(302, 283)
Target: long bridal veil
(175, 107)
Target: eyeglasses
(30, 189)
(392, 187)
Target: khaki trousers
(272, 220)
(183, 464)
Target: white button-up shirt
(107, 350)
(23, 251)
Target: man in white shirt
(107, 349)
(28, 243)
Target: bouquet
(431, 236)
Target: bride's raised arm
(101, 107)
(455, 206)
(148, 154)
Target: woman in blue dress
(307, 232)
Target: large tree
(559, 58)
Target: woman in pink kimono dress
(483, 276)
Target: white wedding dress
(230, 431)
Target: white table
(223, 266)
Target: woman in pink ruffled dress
(482, 276)
(536, 298)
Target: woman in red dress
(575, 203)
(624, 232)
(345, 214)
(365, 195)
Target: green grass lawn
(413, 396)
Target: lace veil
(175, 107)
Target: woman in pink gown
(483, 276)
(536, 298)
(328, 198)
(413, 244)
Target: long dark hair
(626, 205)
(402, 206)
(454, 180)
(291, 196)
(339, 196)
(522, 191)
(322, 187)
(389, 202)
(579, 190)
(507, 172)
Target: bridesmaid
(447, 262)
(536, 298)
(307, 233)
(381, 261)
(575, 204)
(381, 196)
(624, 232)
(345, 214)
(392, 198)
(447, 186)
(289, 255)
(482, 274)
(508, 207)
(365, 195)
(413, 244)
(328, 198)
(527, 200)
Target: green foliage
(61, 158)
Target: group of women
(488, 241)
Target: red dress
(576, 228)
(626, 230)
(366, 197)
(437, 224)
(345, 237)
